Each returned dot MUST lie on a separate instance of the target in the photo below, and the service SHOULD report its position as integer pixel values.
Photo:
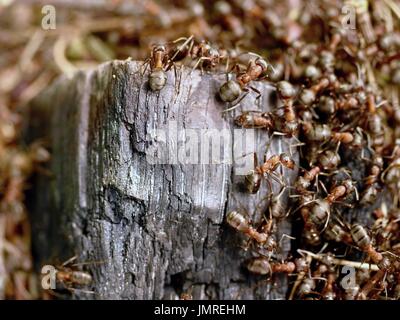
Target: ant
(303, 182)
(262, 120)
(370, 285)
(371, 181)
(310, 232)
(328, 106)
(241, 224)
(159, 63)
(308, 96)
(363, 241)
(208, 56)
(286, 118)
(302, 267)
(230, 91)
(391, 174)
(277, 206)
(263, 266)
(322, 133)
(187, 295)
(69, 277)
(254, 177)
(317, 132)
(321, 209)
(328, 159)
(336, 232)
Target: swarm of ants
(335, 68)
(338, 96)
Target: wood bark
(157, 230)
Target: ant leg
(337, 147)
(191, 45)
(235, 69)
(299, 143)
(295, 146)
(177, 83)
(56, 294)
(371, 283)
(276, 178)
(269, 186)
(69, 261)
(299, 279)
(323, 187)
(181, 39)
(236, 104)
(369, 147)
(291, 145)
(73, 290)
(326, 224)
(242, 208)
(294, 195)
(363, 157)
(145, 65)
(275, 133)
(256, 91)
(357, 194)
(347, 172)
(201, 70)
(201, 59)
(285, 236)
(227, 64)
(303, 205)
(229, 72)
(383, 175)
(181, 46)
(258, 94)
(348, 205)
(87, 263)
(246, 246)
(316, 183)
(260, 203)
(254, 54)
(255, 159)
(283, 188)
(175, 72)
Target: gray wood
(158, 229)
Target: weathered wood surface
(158, 229)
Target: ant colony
(333, 111)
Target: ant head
(262, 63)
(287, 161)
(159, 47)
(285, 90)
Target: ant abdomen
(252, 181)
(157, 80)
(360, 236)
(230, 91)
(320, 212)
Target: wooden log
(157, 229)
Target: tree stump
(156, 229)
